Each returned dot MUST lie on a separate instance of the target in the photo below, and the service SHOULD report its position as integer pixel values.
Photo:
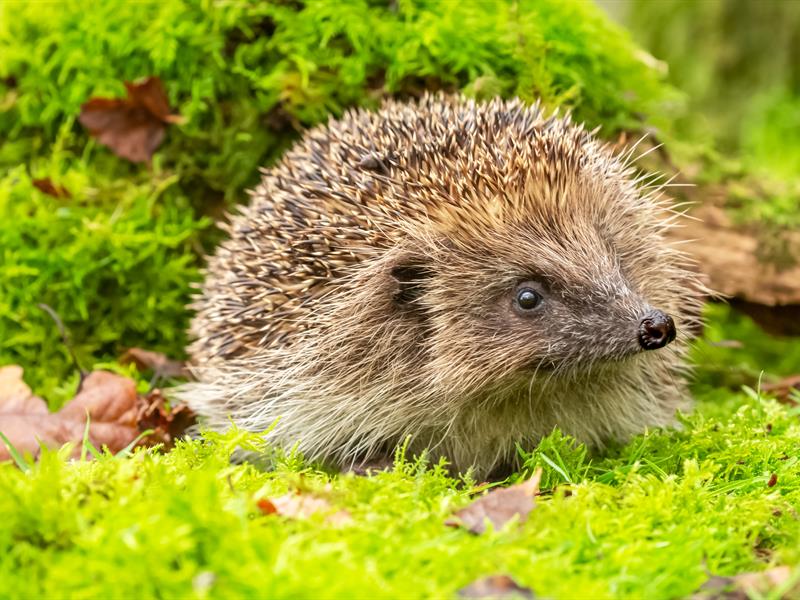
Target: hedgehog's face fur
(523, 304)
(467, 275)
(550, 294)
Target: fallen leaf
(495, 586)
(166, 423)
(783, 388)
(132, 127)
(157, 362)
(117, 415)
(499, 506)
(296, 505)
(46, 186)
(104, 395)
(747, 585)
(15, 395)
(107, 398)
(266, 507)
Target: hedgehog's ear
(410, 278)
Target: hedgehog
(456, 276)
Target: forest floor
(705, 504)
(110, 236)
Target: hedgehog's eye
(528, 298)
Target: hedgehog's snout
(656, 330)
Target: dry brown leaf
(46, 186)
(495, 586)
(166, 423)
(499, 506)
(747, 585)
(154, 361)
(108, 399)
(117, 415)
(15, 395)
(296, 505)
(132, 127)
(783, 388)
(266, 506)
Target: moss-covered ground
(651, 519)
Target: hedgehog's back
(352, 189)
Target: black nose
(656, 330)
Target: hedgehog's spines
(303, 315)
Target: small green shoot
(18, 458)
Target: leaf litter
(157, 362)
(132, 127)
(117, 416)
(302, 505)
(499, 506)
(780, 580)
(495, 586)
(47, 186)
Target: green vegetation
(735, 352)
(117, 258)
(651, 519)
(736, 61)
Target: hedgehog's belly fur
(482, 434)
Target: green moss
(116, 277)
(735, 351)
(246, 76)
(650, 520)
(771, 134)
